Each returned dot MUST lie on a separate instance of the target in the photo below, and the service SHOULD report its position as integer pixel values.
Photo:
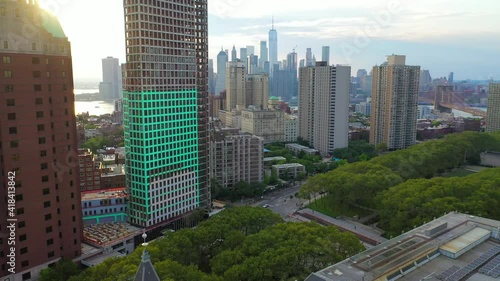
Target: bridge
(445, 99)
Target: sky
(460, 36)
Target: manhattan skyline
(443, 37)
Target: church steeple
(146, 271)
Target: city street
(279, 201)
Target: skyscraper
(324, 106)
(250, 50)
(395, 103)
(309, 57)
(325, 54)
(236, 85)
(493, 115)
(291, 62)
(264, 54)
(166, 109)
(111, 86)
(450, 78)
(211, 77)
(234, 55)
(273, 47)
(38, 158)
(220, 84)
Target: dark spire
(146, 271)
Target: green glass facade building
(165, 106)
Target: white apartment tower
(324, 106)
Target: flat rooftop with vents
(455, 247)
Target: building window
(37, 74)
(25, 264)
(11, 102)
(38, 101)
(43, 153)
(27, 275)
(24, 250)
(6, 59)
(45, 178)
(13, 130)
(48, 217)
(5, 44)
(45, 191)
(7, 74)
(20, 211)
(14, 144)
(63, 74)
(35, 60)
(33, 46)
(37, 88)
(9, 88)
(2, 11)
(44, 166)
(50, 254)
(22, 237)
(41, 140)
(39, 114)
(41, 128)
(46, 204)
(11, 116)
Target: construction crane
(295, 48)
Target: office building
(216, 103)
(264, 54)
(236, 86)
(324, 106)
(234, 55)
(268, 124)
(361, 73)
(325, 54)
(244, 56)
(236, 157)
(425, 82)
(257, 90)
(273, 48)
(220, 84)
(450, 78)
(291, 62)
(111, 86)
(250, 50)
(211, 77)
(166, 113)
(302, 63)
(38, 153)
(104, 206)
(493, 114)
(284, 84)
(453, 247)
(253, 64)
(309, 57)
(395, 103)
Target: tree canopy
(242, 243)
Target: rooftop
(104, 194)
(289, 165)
(424, 253)
(103, 235)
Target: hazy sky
(440, 35)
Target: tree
(382, 147)
(62, 270)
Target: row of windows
(36, 74)
(34, 47)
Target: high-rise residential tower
(236, 85)
(273, 47)
(325, 54)
(324, 106)
(257, 90)
(220, 84)
(111, 86)
(166, 109)
(493, 115)
(38, 158)
(264, 54)
(394, 103)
